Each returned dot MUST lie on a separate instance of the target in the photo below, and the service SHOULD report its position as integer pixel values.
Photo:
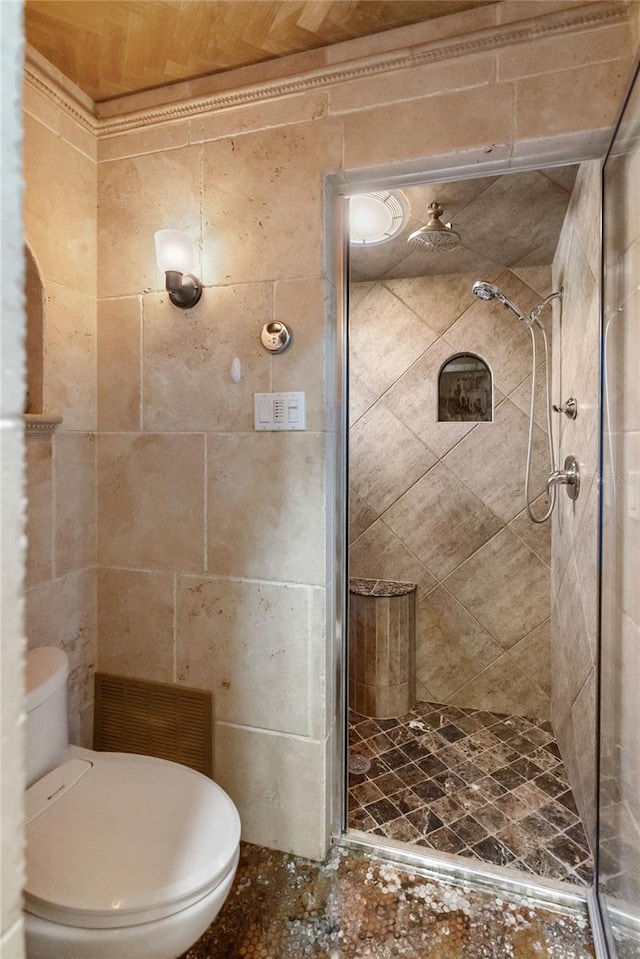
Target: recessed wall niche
(35, 418)
(465, 390)
(34, 302)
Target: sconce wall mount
(184, 289)
(175, 255)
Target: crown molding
(481, 41)
(53, 84)
(70, 98)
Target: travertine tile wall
(60, 230)
(212, 539)
(12, 374)
(441, 504)
(574, 574)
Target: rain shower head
(489, 291)
(435, 237)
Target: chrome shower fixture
(569, 476)
(435, 237)
(489, 291)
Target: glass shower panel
(619, 801)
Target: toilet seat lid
(130, 840)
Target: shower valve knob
(570, 408)
(569, 477)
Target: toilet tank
(47, 730)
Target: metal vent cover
(154, 719)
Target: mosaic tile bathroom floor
(351, 907)
(473, 783)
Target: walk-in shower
(457, 739)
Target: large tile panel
(379, 554)
(271, 524)
(250, 644)
(70, 345)
(135, 624)
(119, 372)
(39, 518)
(306, 306)
(136, 197)
(505, 586)
(249, 181)
(386, 458)
(439, 300)
(451, 646)
(492, 461)
(496, 335)
(278, 784)
(385, 338)
(75, 498)
(62, 612)
(507, 688)
(60, 212)
(381, 135)
(441, 521)
(151, 501)
(413, 399)
(187, 359)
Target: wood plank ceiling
(113, 47)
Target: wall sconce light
(175, 254)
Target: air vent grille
(154, 719)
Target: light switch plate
(279, 411)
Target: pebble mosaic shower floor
(351, 907)
(469, 782)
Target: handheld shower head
(484, 290)
(489, 291)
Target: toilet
(128, 857)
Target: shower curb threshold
(548, 893)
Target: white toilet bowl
(128, 857)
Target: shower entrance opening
(467, 709)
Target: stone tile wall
(217, 529)
(441, 504)
(60, 230)
(574, 576)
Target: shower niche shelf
(465, 390)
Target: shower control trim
(570, 408)
(569, 477)
(275, 337)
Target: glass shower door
(619, 792)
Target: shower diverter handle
(569, 477)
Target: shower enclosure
(519, 753)
(618, 876)
(450, 479)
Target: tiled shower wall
(574, 575)
(60, 229)
(441, 504)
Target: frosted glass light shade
(175, 251)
